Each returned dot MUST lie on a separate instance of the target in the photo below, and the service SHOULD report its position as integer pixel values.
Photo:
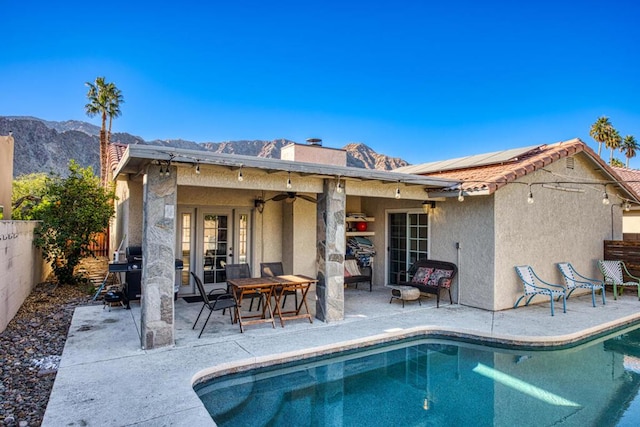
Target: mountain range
(47, 146)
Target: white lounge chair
(533, 285)
(574, 280)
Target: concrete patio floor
(105, 379)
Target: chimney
(314, 152)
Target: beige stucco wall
(631, 222)
(6, 175)
(471, 224)
(559, 226)
(21, 267)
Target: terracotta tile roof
(115, 151)
(489, 178)
(631, 177)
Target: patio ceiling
(137, 157)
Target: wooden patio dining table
(272, 286)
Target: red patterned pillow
(436, 275)
(422, 275)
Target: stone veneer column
(158, 252)
(330, 253)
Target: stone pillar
(330, 253)
(158, 252)
(6, 174)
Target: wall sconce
(289, 181)
(428, 206)
(259, 204)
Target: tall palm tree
(115, 100)
(629, 146)
(613, 142)
(599, 131)
(104, 99)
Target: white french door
(209, 238)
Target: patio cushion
(436, 275)
(351, 268)
(422, 275)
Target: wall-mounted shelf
(350, 222)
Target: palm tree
(629, 146)
(613, 142)
(115, 100)
(104, 99)
(600, 130)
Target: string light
(198, 169)
(460, 195)
(530, 197)
(240, 176)
(605, 199)
(627, 206)
(397, 192)
(339, 188)
(289, 181)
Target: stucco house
(204, 208)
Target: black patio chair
(214, 302)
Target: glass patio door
(408, 241)
(215, 247)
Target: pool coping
(523, 343)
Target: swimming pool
(439, 382)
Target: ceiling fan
(291, 197)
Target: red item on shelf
(361, 226)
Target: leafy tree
(72, 210)
(104, 99)
(600, 131)
(27, 192)
(629, 146)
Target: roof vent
(314, 141)
(570, 162)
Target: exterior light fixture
(259, 205)
(339, 188)
(605, 199)
(627, 206)
(530, 196)
(428, 206)
(397, 193)
(460, 195)
(198, 169)
(240, 176)
(289, 181)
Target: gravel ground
(30, 350)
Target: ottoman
(404, 293)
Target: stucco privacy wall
(559, 226)
(6, 175)
(21, 267)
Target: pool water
(436, 382)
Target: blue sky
(420, 80)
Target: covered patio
(106, 379)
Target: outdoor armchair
(214, 302)
(612, 271)
(574, 280)
(534, 285)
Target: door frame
(387, 258)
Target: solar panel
(468, 161)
